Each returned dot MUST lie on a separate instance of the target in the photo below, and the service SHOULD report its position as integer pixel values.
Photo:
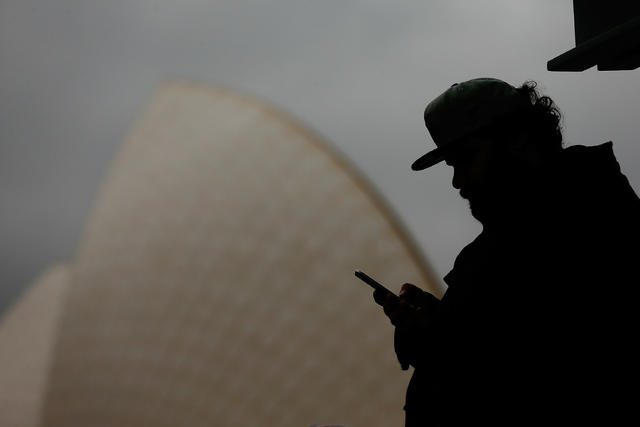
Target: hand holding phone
(375, 285)
(408, 319)
(412, 297)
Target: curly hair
(543, 119)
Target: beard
(481, 209)
(501, 199)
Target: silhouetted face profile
(471, 164)
(498, 139)
(488, 175)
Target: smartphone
(375, 285)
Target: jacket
(539, 320)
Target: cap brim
(431, 158)
(439, 154)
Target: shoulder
(469, 257)
(592, 157)
(594, 172)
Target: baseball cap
(463, 109)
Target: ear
(523, 147)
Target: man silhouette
(538, 322)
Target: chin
(478, 215)
(478, 210)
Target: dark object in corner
(607, 35)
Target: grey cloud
(73, 74)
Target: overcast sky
(74, 74)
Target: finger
(417, 297)
(390, 304)
(379, 296)
(401, 316)
(410, 292)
